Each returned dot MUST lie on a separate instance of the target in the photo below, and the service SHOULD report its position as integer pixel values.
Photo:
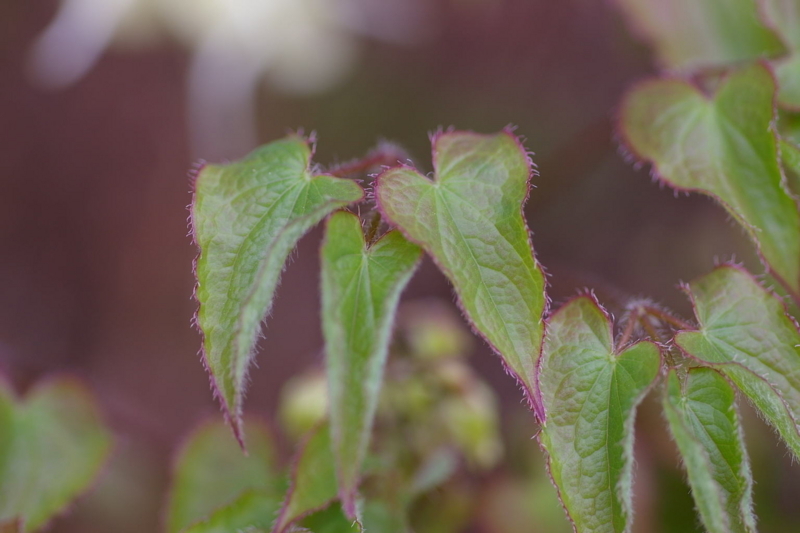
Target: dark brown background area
(96, 265)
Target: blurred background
(106, 105)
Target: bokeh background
(106, 106)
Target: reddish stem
(668, 318)
(633, 318)
(383, 155)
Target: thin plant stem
(633, 318)
(383, 155)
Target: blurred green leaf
(313, 480)
(701, 411)
(212, 472)
(790, 158)
(590, 395)
(252, 510)
(361, 286)
(469, 218)
(724, 147)
(784, 16)
(53, 445)
(247, 217)
(688, 34)
(332, 520)
(746, 334)
(304, 403)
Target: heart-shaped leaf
(212, 473)
(590, 394)
(361, 286)
(702, 416)
(746, 333)
(52, 446)
(689, 34)
(469, 219)
(247, 217)
(724, 147)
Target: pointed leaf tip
(247, 217)
(361, 286)
(469, 219)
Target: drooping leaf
(247, 217)
(313, 480)
(53, 444)
(724, 147)
(469, 219)
(702, 416)
(212, 472)
(252, 510)
(688, 34)
(746, 334)
(590, 395)
(361, 286)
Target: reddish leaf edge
(233, 414)
(78, 385)
(532, 397)
(717, 366)
(631, 155)
(348, 495)
(616, 350)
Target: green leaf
(361, 285)
(701, 411)
(790, 158)
(469, 218)
(590, 395)
(313, 480)
(688, 34)
(53, 445)
(332, 520)
(746, 334)
(784, 16)
(247, 217)
(252, 510)
(211, 472)
(724, 147)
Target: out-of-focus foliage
(53, 444)
(434, 418)
(212, 473)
